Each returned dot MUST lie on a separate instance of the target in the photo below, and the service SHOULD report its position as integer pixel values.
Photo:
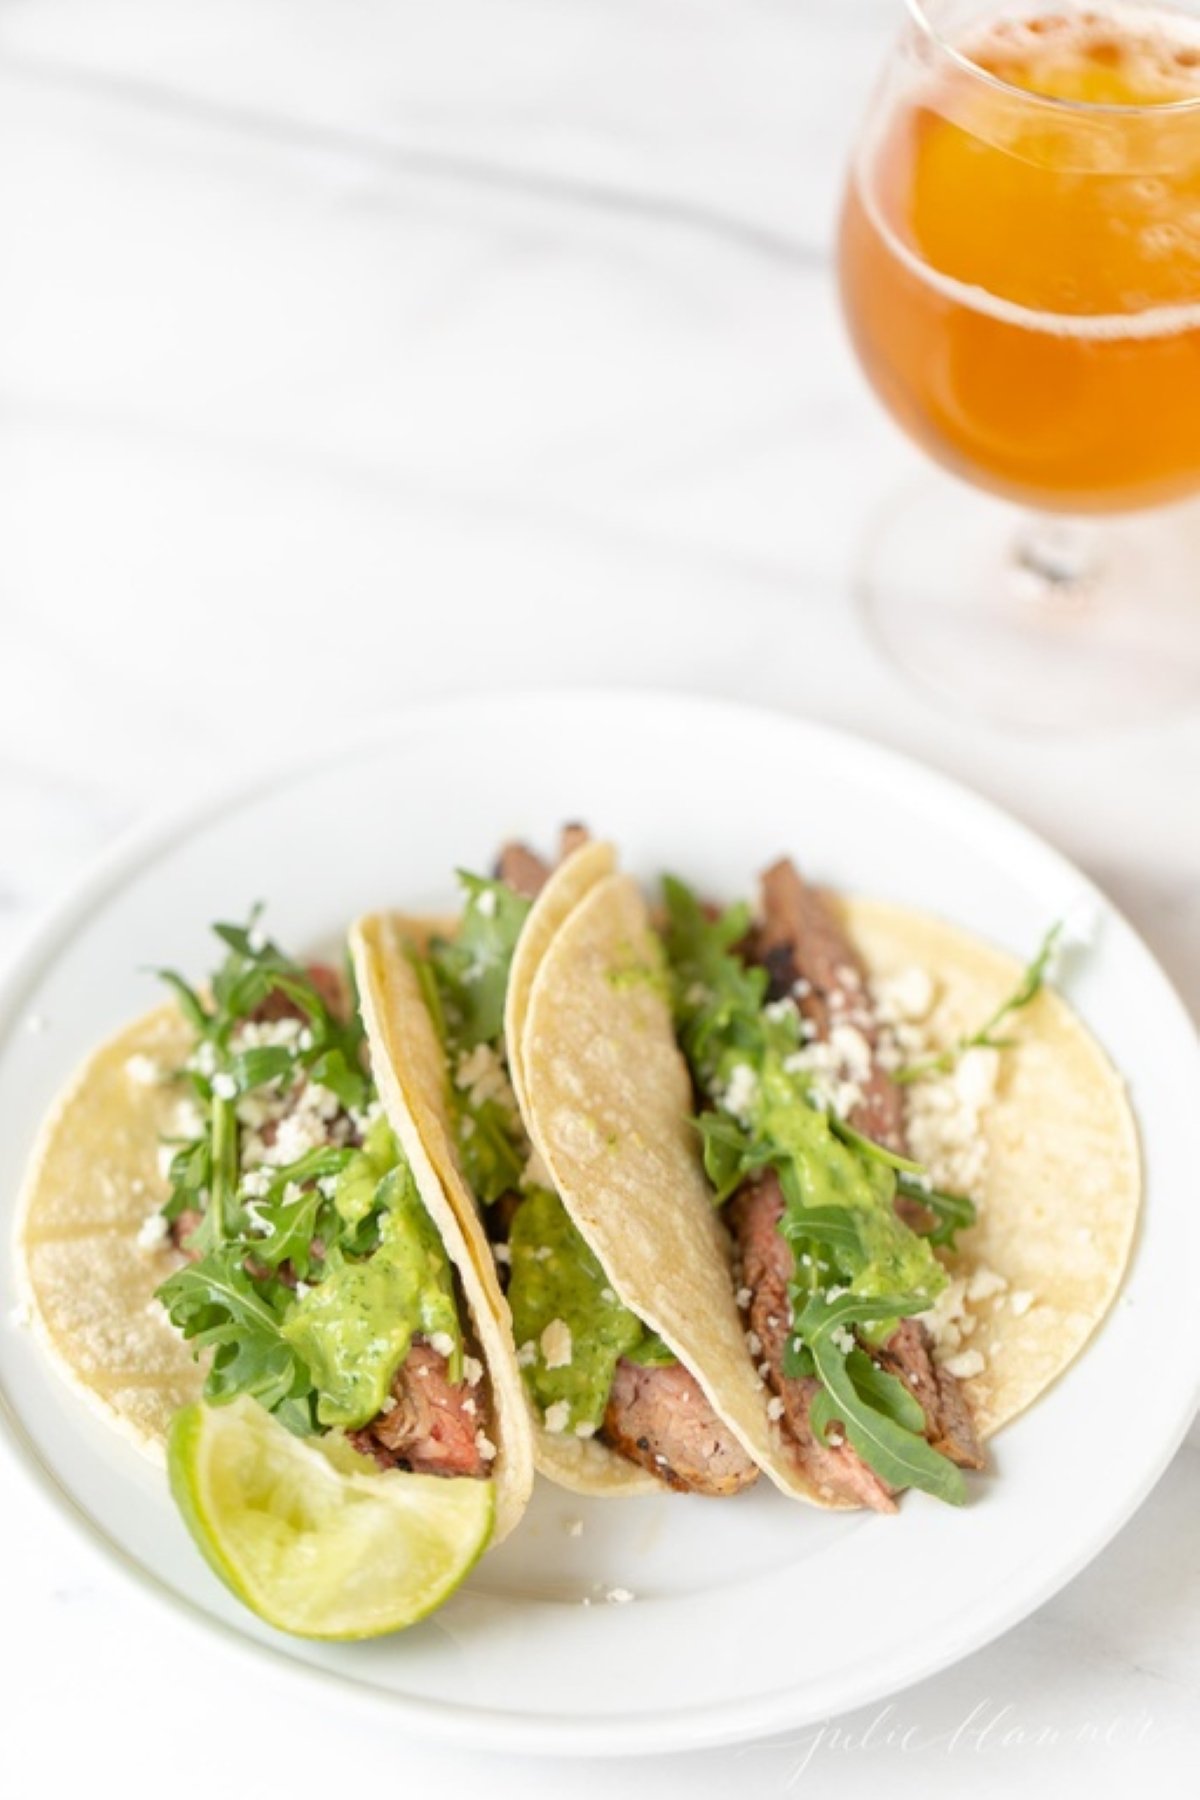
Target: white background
(354, 351)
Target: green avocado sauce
(555, 1279)
(354, 1328)
(553, 1276)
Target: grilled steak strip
(661, 1418)
(522, 870)
(766, 1263)
(433, 1423)
(527, 873)
(950, 1428)
(802, 941)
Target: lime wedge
(313, 1537)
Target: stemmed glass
(1020, 271)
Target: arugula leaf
(896, 1451)
(1033, 980)
(472, 968)
(839, 1191)
(215, 1305)
(952, 1213)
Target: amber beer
(1022, 275)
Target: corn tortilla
(607, 1103)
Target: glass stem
(1058, 559)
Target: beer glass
(1020, 271)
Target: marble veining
(358, 354)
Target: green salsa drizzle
(859, 1269)
(311, 1278)
(553, 1276)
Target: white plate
(748, 1618)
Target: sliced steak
(521, 869)
(572, 837)
(808, 957)
(950, 1428)
(765, 1257)
(434, 1424)
(181, 1228)
(661, 1418)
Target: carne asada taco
(863, 1325)
(616, 1410)
(235, 1178)
(848, 1097)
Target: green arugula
(839, 1193)
(266, 1235)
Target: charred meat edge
(809, 958)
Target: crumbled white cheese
(388, 1404)
(485, 902)
(472, 1371)
(203, 1058)
(255, 1183)
(834, 1439)
(501, 1253)
(944, 1318)
(485, 1446)
(965, 1364)
(1020, 1300)
(261, 1034)
(558, 1416)
(774, 1407)
(985, 1283)
(143, 1071)
(842, 1339)
(442, 1343)
(754, 1343)
(469, 1406)
(903, 997)
(481, 1076)
(527, 1355)
(153, 1232)
(741, 1091)
(945, 1121)
(186, 1120)
(556, 1344)
(743, 1297)
(585, 1429)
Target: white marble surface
(356, 352)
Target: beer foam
(1152, 322)
(1161, 45)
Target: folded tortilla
(89, 1277)
(607, 1100)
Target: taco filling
(592, 1369)
(313, 1273)
(834, 1226)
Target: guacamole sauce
(570, 1327)
(354, 1329)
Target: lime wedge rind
(310, 1536)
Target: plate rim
(472, 1726)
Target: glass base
(1052, 625)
